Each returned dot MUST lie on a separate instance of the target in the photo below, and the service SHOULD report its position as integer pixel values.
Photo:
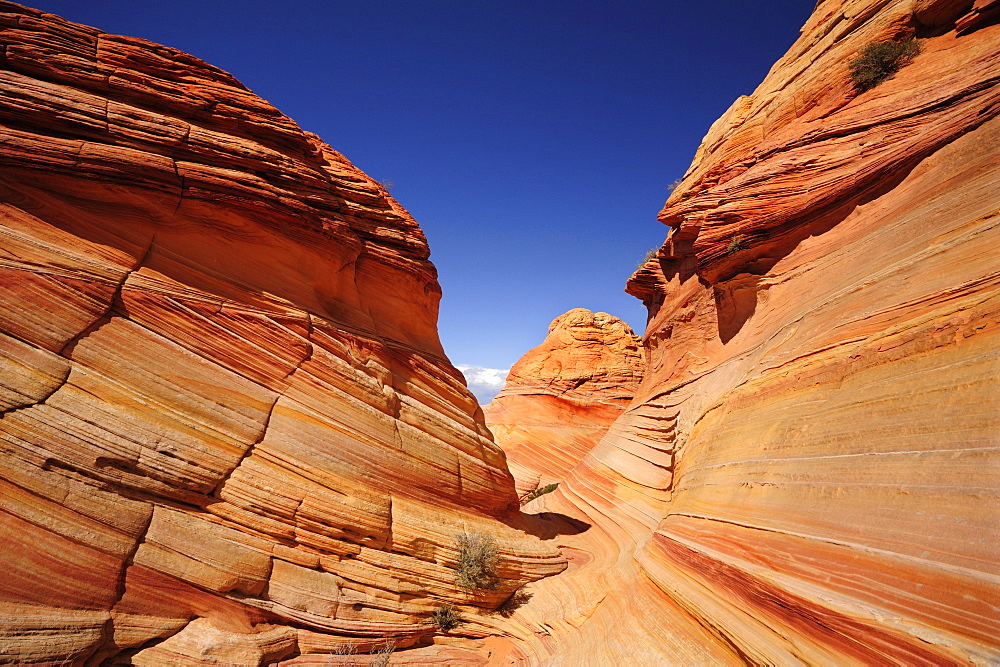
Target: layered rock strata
(561, 397)
(228, 430)
(229, 435)
(808, 473)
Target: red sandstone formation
(229, 435)
(809, 471)
(228, 431)
(561, 396)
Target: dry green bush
(346, 655)
(735, 244)
(380, 657)
(445, 617)
(880, 60)
(650, 254)
(477, 562)
(538, 491)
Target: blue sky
(533, 141)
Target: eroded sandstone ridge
(809, 472)
(228, 432)
(227, 421)
(561, 397)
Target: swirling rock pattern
(808, 473)
(228, 430)
(228, 433)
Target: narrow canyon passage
(603, 607)
(229, 433)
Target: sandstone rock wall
(228, 433)
(810, 467)
(227, 421)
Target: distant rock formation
(228, 431)
(561, 397)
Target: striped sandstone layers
(229, 434)
(809, 472)
(228, 430)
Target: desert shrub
(673, 186)
(477, 561)
(650, 254)
(517, 599)
(380, 657)
(538, 491)
(445, 617)
(346, 655)
(735, 244)
(880, 60)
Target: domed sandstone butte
(561, 397)
(228, 431)
(809, 471)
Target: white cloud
(484, 382)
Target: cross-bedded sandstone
(227, 418)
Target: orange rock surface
(227, 422)
(561, 397)
(228, 433)
(810, 470)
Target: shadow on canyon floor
(547, 525)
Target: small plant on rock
(735, 244)
(517, 599)
(650, 254)
(879, 61)
(346, 655)
(538, 491)
(380, 657)
(477, 562)
(445, 617)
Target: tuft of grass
(477, 562)
(445, 617)
(735, 244)
(650, 254)
(880, 60)
(517, 599)
(380, 657)
(346, 655)
(673, 186)
(536, 492)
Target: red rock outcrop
(561, 397)
(229, 435)
(808, 473)
(228, 430)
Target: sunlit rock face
(227, 421)
(809, 469)
(561, 397)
